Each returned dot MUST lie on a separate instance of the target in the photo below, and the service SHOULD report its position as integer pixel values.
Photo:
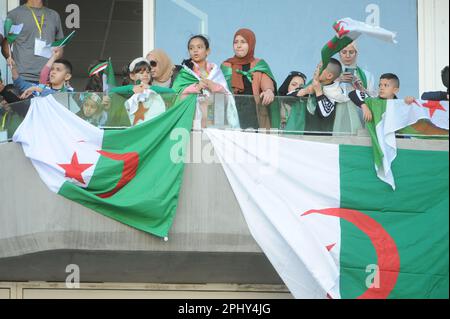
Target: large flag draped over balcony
(330, 227)
(126, 175)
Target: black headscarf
(283, 91)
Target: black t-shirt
(248, 87)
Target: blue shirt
(23, 85)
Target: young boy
(388, 89)
(328, 93)
(326, 89)
(60, 74)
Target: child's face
(198, 51)
(388, 89)
(326, 77)
(59, 74)
(349, 55)
(143, 75)
(296, 83)
(241, 47)
(90, 108)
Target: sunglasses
(153, 64)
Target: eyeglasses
(153, 64)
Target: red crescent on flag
(384, 244)
(131, 163)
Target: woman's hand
(302, 93)
(306, 91)
(267, 97)
(347, 78)
(210, 85)
(202, 85)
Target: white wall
(149, 26)
(433, 18)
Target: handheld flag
(98, 68)
(108, 76)
(348, 30)
(12, 31)
(65, 41)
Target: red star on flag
(140, 114)
(75, 169)
(434, 106)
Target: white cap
(136, 62)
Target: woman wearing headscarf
(291, 110)
(163, 71)
(348, 116)
(247, 75)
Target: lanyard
(39, 26)
(4, 121)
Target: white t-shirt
(152, 101)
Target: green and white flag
(261, 67)
(331, 228)
(348, 30)
(391, 116)
(12, 31)
(108, 75)
(126, 175)
(98, 68)
(65, 41)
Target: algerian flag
(128, 175)
(12, 31)
(261, 66)
(391, 116)
(65, 41)
(330, 227)
(348, 30)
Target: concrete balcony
(41, 232)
